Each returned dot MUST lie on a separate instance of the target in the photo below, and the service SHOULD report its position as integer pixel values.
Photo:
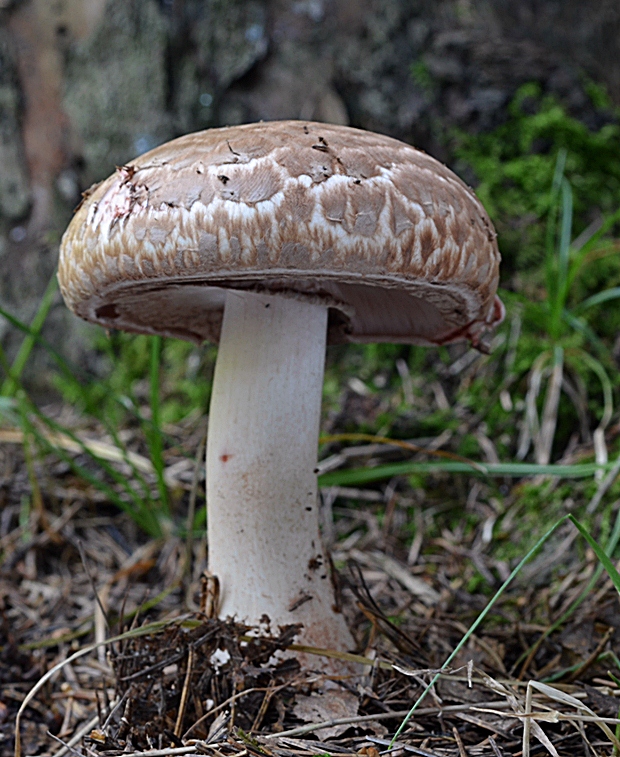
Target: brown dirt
(233, 696)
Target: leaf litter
(74, 572)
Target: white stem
(263, 525)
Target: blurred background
(86, 85)
(102, 435)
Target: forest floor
(75, 571)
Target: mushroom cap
(396, 244)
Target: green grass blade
(135, 471)
(33, 337)
(140, 515)
(7, 410)
(583, 328)
(139, 509)
(610, 548)
(69, 371)
(608, 223)
(554, 192)
(550, 252)
(598, 299)
(477, 622)
(7, 404)
(566, 226)
(558, 173)
(581, 255)
(600, 553)
(360, 476)
(597, 368)
(154, 434)
(558, 263)
(9, 386)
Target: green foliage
(125, 376)
(14, 372)
(567, 341)
(423, 77)
(515, 164)
(562, 338)
(130, 393)
(544, 177)
(600, 552)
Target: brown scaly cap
(399, 246)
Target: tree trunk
(86, 85)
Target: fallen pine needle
(382, 716)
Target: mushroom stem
(262, 504)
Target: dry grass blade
(564, 698)
(143, 631)
(530, 726)
(271, 690)
(395, 714)
(344, 656)
(459, 742)
(400, 573)
(429, 450)
(103, 450)
(593, 657)
(63, 744)
(604, 487)
(531, 427)
(399, 747)
(171, 752)
(218, 709)
(77, 736)
(530, 718)
(544, 440)
(185, 692)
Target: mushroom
(271, 239)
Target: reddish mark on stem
(225, 457)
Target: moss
(514, 166)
